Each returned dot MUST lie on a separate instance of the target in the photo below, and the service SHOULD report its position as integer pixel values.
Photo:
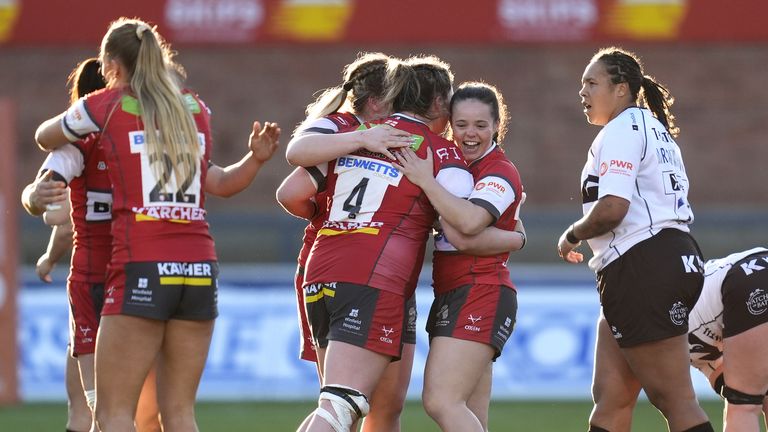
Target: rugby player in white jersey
(636, 217)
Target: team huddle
(394, 155)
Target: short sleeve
(77, 122)
(493, 193)
(617, 160)
(67, 161)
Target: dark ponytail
(625, 66)
(657, 98)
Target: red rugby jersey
(378, 221)
(329, 124)
(90, 196)
(149, 224)
(499, 190)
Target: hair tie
(348, 86)
(140, 29)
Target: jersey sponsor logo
(757, 303)
(176, 273)
(678, 314)
(169, 213)
(692, 263)
(442, 317)
(341, 227)
(603, 168)
(387, 333)
(185, 269)
(616, 166)
(378, 168)
(751, 266)
(352, 322)
(497, 188)
(315, 292)
(474, 320)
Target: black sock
(593, 428)
(704, 427)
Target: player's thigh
(662, 367)
(613, 381)
(745, 360)
(353, 366)
(126, 347)
(454, 367)
(184, 351)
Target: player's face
(473, 127)
(602, 100)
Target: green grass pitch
(538, 416)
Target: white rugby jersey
(634, 157)
(705, 322)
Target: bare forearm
(490, 241)
(60, 242)
(315, 149)
(604, 216)
(234, 178)
(466, 217)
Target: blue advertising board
(253, 353)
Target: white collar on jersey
(491, 148)
(409, 117)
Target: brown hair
(414, 85)
(363, 80)
(489, 95)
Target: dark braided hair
(489, 95)
(625, 66)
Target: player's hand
(419, 171)
(567, 251)
(383, 138)
(44, 267)
(264, 141)
(47, 192)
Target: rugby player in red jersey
(361, 268)
(475, 305)
(343, 107)
(161, 287)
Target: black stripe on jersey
(645, 137)
(93, 119)
(71, 131)
(490, 208)
(647, 207)
(58, 177)
(320, 130)
(318, 176)
(589, 189)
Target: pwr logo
(616, 166)
(621, 164)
